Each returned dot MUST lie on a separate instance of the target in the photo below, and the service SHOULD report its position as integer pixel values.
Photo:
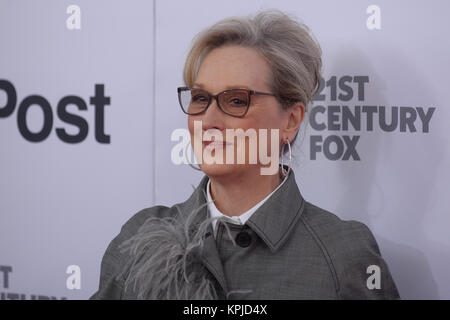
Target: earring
(187, 159)
(286, 172)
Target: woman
(245, 233)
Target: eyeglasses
(234, 102)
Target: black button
(207, 235)
(243, 239)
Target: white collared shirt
(242, 218)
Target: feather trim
(165, 258)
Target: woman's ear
(295, 114)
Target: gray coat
(290, 249)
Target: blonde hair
(292, 53)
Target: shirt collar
(272, 221)
(242, 218)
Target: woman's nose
(213, 116)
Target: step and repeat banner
(89, 123)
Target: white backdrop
(61, 203)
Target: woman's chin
(218, 169)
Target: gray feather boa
(165, 261)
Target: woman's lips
(215, 144)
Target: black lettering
(333, 118)
(22, 118)
(394, 119)
(100, 101)
(318, 96)
(6, 270)
(73, 119)
(11, 98)
(351, 142)
(354, 118)
(370, 110)
(327, 147)
(346, 88)
(333, 88)
(425, 118)
(407, 117)
(314, 146)
(12, 296)
(361, 81)
(312, 118)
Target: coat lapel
(273, 221)
(209, 255)
(277, 217)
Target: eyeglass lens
(234, 102)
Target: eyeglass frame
(212, 97)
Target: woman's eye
(199, 98)
(238, 102)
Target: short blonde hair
(292, 53)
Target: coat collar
(273, 221)
(277, 217)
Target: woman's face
(231, 67)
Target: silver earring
(187, 159)
(286, 172)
